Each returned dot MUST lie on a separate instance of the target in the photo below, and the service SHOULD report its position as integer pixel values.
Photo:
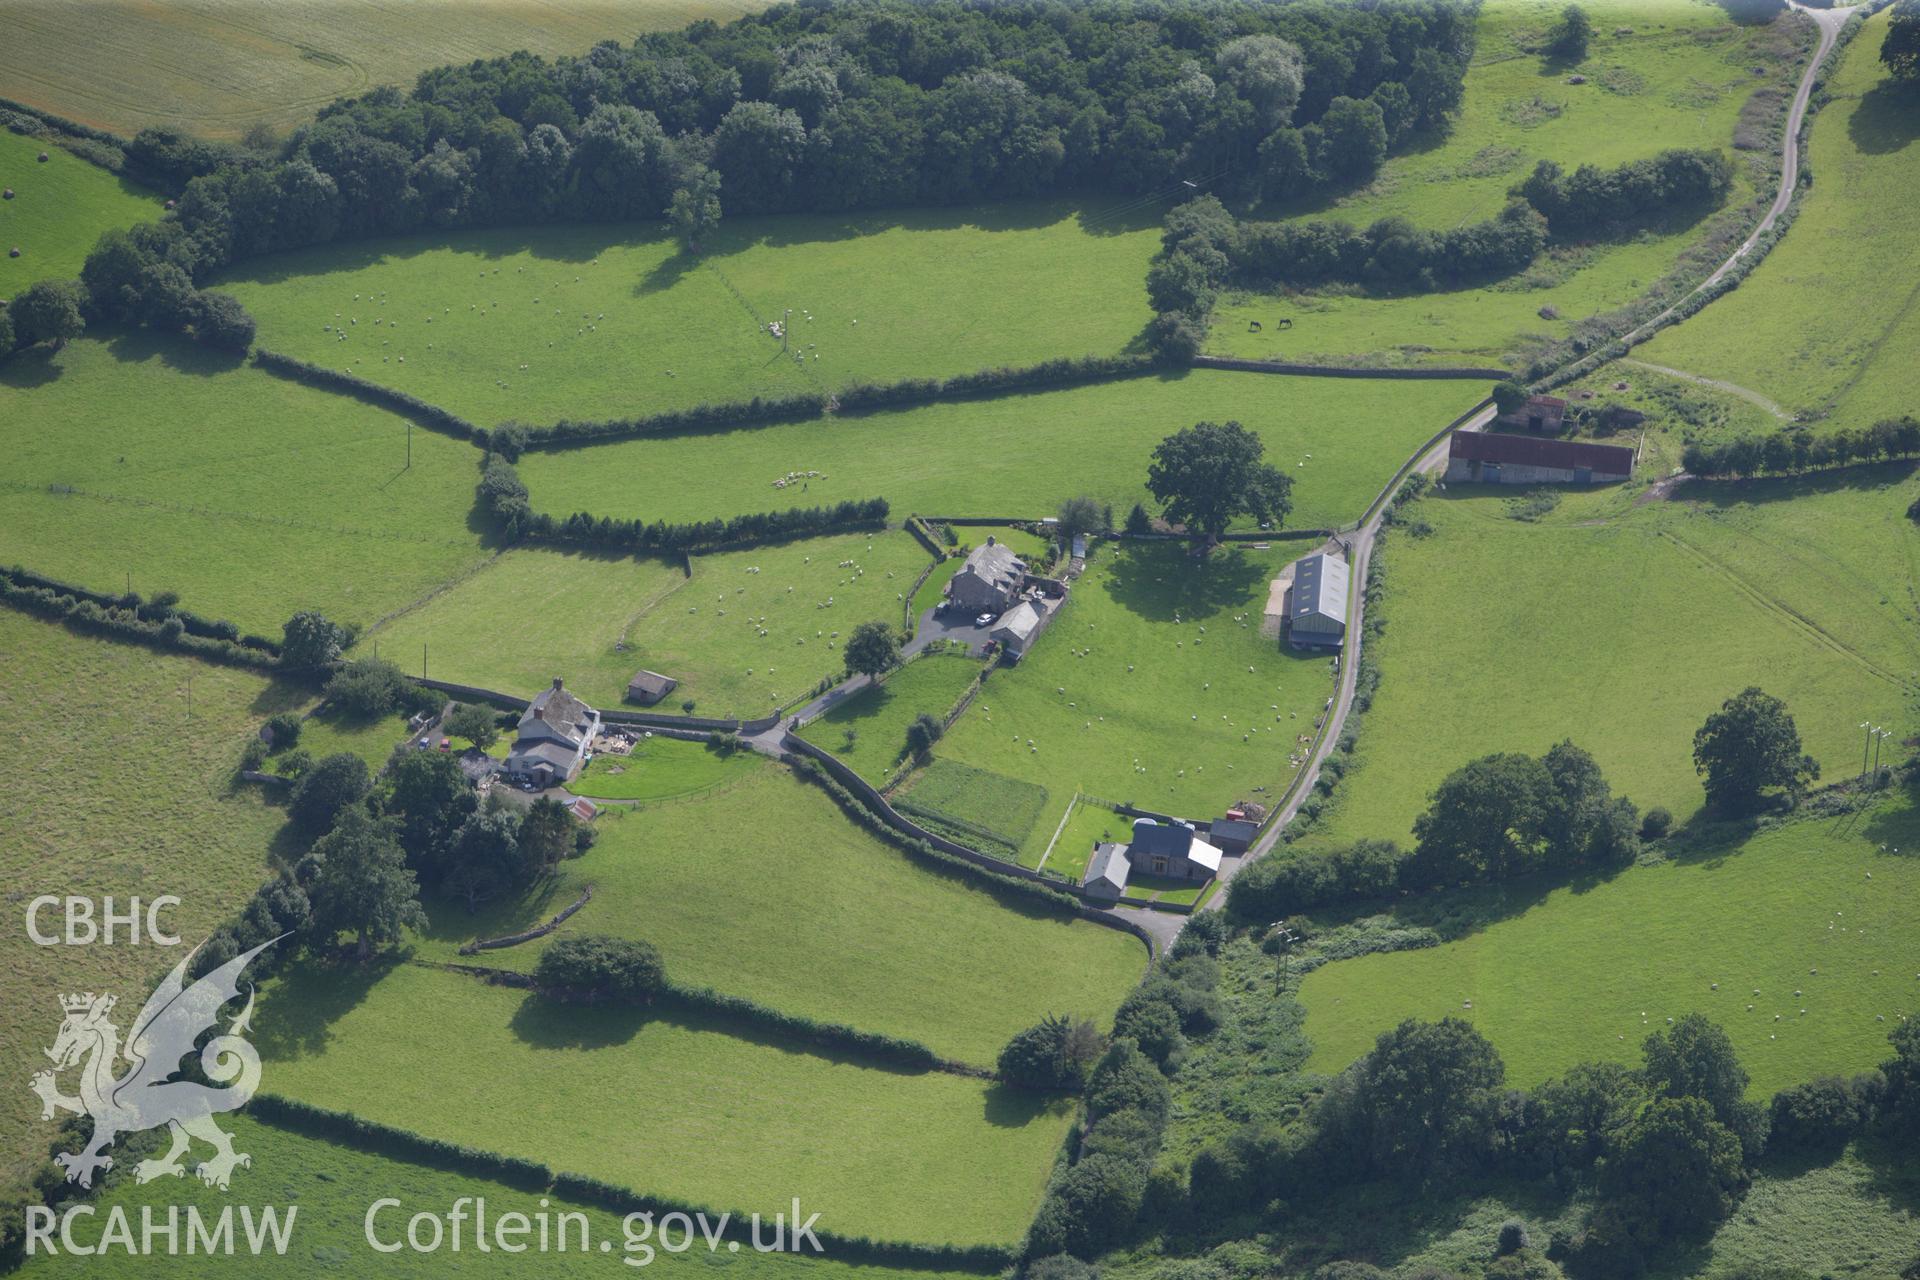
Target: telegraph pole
(1285, 937)
(1865, 747)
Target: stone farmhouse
(1488, 458)
(990, 581)
(1171, 850)
(554, 735)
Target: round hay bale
(7, 194)
(14, 252)
(43, 157)
(169, 204)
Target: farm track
(1700, 380)
(1363, 540)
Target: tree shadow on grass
(554, 1024)
(1160, 581)
(1886, 120)
(31, 367)
(1009, 1108)
(141, 346)
(1892, 1171)
(309, 997)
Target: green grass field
(672, 1105)
(1623, 626)
(595, 619)
(58, 210)
(602, 322)
(253, 497)
(373, 741)
(887, 945)
(331, 1188)
(869, 730)
(1809, 924)
(1827, 323)
(126, 796)
(1017, 455)
(1125, 697)
(1676, 77)
(218, 69)
(660, 769)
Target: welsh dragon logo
(147, 1095)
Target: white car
(983, 620)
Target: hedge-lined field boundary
(122, 617)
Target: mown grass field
(1809, 924)
(252, 496)
(676, 1106)
(1090, 823)
(1676, 76)
(887, 944)
(218, 68)
(1154, 686)
(869, 730)
(660, 769)
(332, 1186)
(607, 322)
(126, 796)
(595, 619)
(1017, 455)
(1827, 323)
(1623, 626)
(58, 210)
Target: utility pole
(423, 659)
(409, 466)
(189, 697)
(786, 327)
(1865, 747)
(1285, 938)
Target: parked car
(983, 620)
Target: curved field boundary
(541, 931)
(647, 719)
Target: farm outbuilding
(1232, 835)
(1487, 457)
(1172, 849)
(1018, 626)
(1107, 870)
(1316, 603)
(1543, 414)
(648, 687)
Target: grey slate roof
(1150, 837)
(556, 713)
(523, 758)
(995, 564)
(1320, 587)
(1109, 863)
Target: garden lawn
(888, 945)
(545, 323)
(1089, 823)
(251, 496)
(1125, 698)
(868, 731)
(1016, 455)
(330, 733)
(676, 1106)
(1624, 633)
(332, 1187)
(596, 618)
(210, 68)
(1815, 916)
(988, 811)
(58, 210)
(127, 796)
(1676, 77)
(660, 768)
(1827, 323)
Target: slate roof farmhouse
(1492, 458)
(991, 579)
(554, 734)
(1170, 849)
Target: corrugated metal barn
(1317, 602)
